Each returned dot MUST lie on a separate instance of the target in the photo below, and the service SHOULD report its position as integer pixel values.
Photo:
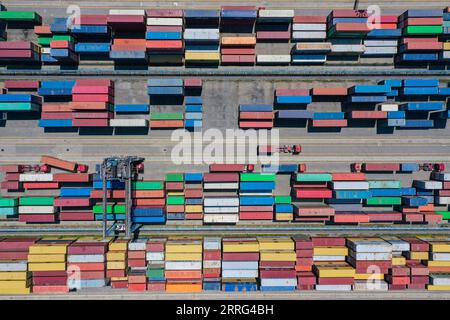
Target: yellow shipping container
(440, 247)
(14, 275)
(398, 261)
(175, 193)
(118, 246)
(184, 247)
(46, 258)
(284, 216)
(48, 249)
(432, 287)
(193, 208)
(115, 265)
(243, 41)
(330, 251)
(366, 276)
(177, 256)
(14, 287)
(202, 56)
(437, 263)
(116, 256)
(418, 255)
(276, 244)
(240, 246)
(277, 256)
(52, 266)
(336, 272)
(446, 46)
(119, 279)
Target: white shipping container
(183, 265)
(309, 27)
(283, 282)
(85, 258)
(429, 185)
(369, 246)
(375, 285)
(14, 266)
(228, 202)
(221, 209)
(212, 243)
(345, 48)
(380, 43)
(239, 274)
(350, 185)
(221, 186)
(36, 177)
(240, 265)
(212, 264)
(380, 50)
(298, 59)
(440, 256)
(389, 107)
(399, 245)
(37, 209)
(128, 123)
(268, 194)
(446, 55)
(370, 256)
(164, 21)
(154, 256)
(273, 58)
(442, 200)
(138, 245)
(440, 279)
(300, 35)
(267, 13)
(128, 12)
(220, 218)
(333, 287)
(201, 34)
(329, 258)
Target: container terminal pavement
(370, 219)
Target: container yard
(282, 150)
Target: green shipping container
(259, 177)
(62, 37)
(8, 211)
(175, 177)
(36, 201)
(148, 185)
(155, 273)
(314, 177)
(175, 200)
(9, 202)
(415, 30)
(166, 116)
(445, 214)
(380, 201)
(384, 184)
(283, 199)
(20, 16)
(120, 208)
(18, 106)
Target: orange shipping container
(184, 287)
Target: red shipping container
(432, 217)
(240, 256)
(156, 286)
(49, 281)
(174, 185)
(119, 284)
(16, 54)
(76, 216)
(446, 185)
(423, 21)
(12, 176)
(238, 51)
(17, 45)
(60, 44)
(43, 30)
(273, 35)
(44, 218)
(11, 168)
(399, 271)
(329, 91)
(256, 124)
(71, 177)
(137, 278)
(221, 177)
(93, 19)
(381, 167)
(96, 266)
(329, 123)
(155, 247)
(91, 275)
(313, 193)
(314, 210)
(417, 244)
(277, 273)
(92, 115)
(276, 264)
(21, 84)
(292, 92)
(348, 176)
(94, 82)
(193, 193)
(89, 248)
(351, 27)
(110, 273)
(72, 202)
(256, 215)
(350, 217)
(14, 255)
(90, 122)
(256, 115)
(17, 244)
(310, 19)
(167, 13)
(335, 281)
(368, 114)
(192, 82)
(212, 255)
(175, 208)
(51, 289)
(432, 46)
(137, 287)
(92, 89)
(149, 202)
(419, 280)
(413, 217)
(56, 115)
(52, 107)
(305, 260)
(328, 241)
(384, 216)
(92, 98)
(132, 254)
(163, 44)
(114, 194)
(255, 208)
(418, 269)
(136, 263)
(10, 185)
(41, 185)
(238, 59)
(303, 244)
(397, 280)
(58, 163)
(164, 29)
